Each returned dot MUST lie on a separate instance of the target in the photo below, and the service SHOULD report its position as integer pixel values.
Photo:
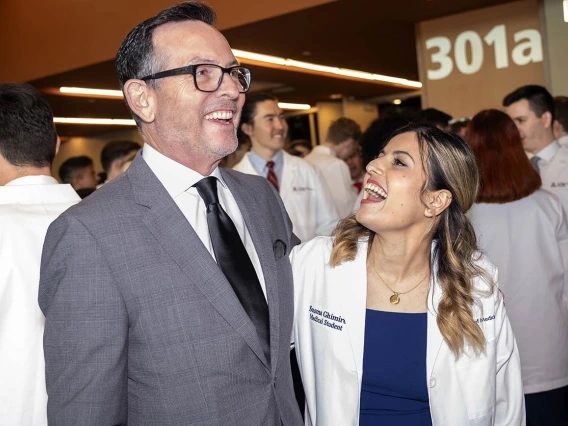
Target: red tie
(271, 175)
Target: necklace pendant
(394, 299)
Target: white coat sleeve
(327, 215)
(562, 238)
(509, 396)
(341, 188)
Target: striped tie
(271, 175)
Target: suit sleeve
(86, 330)
(509, 396)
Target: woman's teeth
(375, 191)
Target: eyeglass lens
(208, 77)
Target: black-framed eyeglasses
(208, 77)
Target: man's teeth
(219, 115)
(375, 191)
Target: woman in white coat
(523, 229)
(398, 317)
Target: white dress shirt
(337, 178)
(178, 181)
(28, 205)
(527, 240)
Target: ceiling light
(99, 121)
(397, 102)
(285, 105)
(92, 92)
(336, 96)
(259, 59)
(565, 3)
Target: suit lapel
(260, 232)
(178, 239)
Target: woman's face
(393, 184)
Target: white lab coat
(337, 178)
(481, 391)
(305, 197)
(555, 175)
(27, 206)
(527, 240)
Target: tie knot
(535, 160)
(270, 164)
(207, 189)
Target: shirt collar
(259, 163)
(175, 177)
(548, 153)
(33, 180)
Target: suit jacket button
(432, 382)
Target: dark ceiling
(367, 35)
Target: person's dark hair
(249, 111)
(249, 107)
(561, 110)
(434, 117)
(449, 164)
(27, 132)
(343, 129)
(117, 150)
(540, 100)
(70, 167)
(136, 57)
(506, 172)
(85, 192)
(459, 124)
(374, 139)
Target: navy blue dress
(393, 391)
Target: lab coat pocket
(477, 374)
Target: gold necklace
(395, 299)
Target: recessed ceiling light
(299, 66)
(397, 102)
(286, 105)
(96, 121)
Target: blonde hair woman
(398, 317)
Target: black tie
(234, 261)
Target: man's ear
(546, 118)
(437, 202)
(246, 129)
(140, 99)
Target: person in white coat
(328, 159)
(306, 197)
(30, 199)
(523, 230)
(532, 109)
(398, 318)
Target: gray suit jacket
(142, 327)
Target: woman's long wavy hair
(449, 164)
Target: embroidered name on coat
(326, 318)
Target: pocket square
(279, 248)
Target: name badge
(302, 188)
(326, 318)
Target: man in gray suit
(168, 292)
